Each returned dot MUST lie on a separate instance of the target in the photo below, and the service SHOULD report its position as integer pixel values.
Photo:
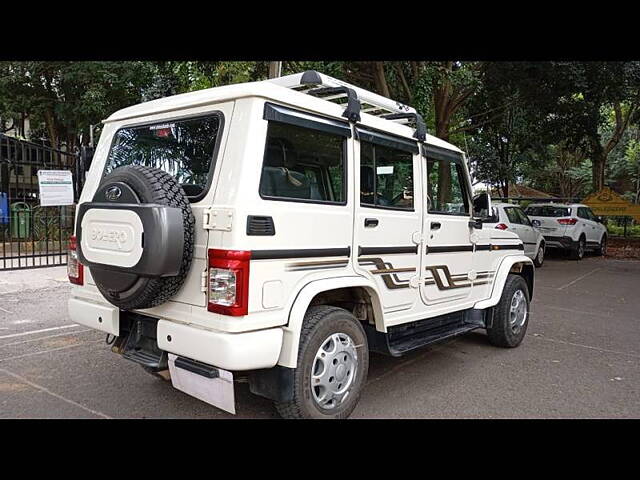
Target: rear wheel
(511, 315)
(333, 361)
(577, 252)
(539, 259)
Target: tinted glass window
(512, 215)
(446, 187)
(300, 163)
(524, 220)
(386, 177)
(548, 211)
(582, 213)
(182, 148)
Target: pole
(275, 69)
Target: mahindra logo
(113, 193)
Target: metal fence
(32, 236)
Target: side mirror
(482, 205)
(535, 223)
(475, 223)
(599, 219)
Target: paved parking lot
(580, 359)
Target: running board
(407, 337)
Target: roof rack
(356, 99)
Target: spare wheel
(136, 237)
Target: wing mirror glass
(482, 205)
(535, 223)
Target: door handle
(435, 225)
(371, 222)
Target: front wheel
(333, 362)
(602, 248)
(511, 315)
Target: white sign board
(56, 187)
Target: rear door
(589, 225)
(449, 251)
(388, 216)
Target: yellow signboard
(608, 202)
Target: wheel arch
(518, 264)
(357, 292)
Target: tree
(67, 97)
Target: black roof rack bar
(352, 112)
(421, 128)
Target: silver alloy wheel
(334, 370)
(603, 246)
(540, 255)
(581, 249)
(518, 311)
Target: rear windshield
(182, 148)
(548, 211)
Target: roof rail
(332, 89)
(421, 128)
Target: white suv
(571, 227)
(511, 217)
(279, 231)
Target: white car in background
(571, 227)
(513, 219)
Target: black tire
(320, 322)
(539, 258)
(152, 185)
(601, 250)
(502, 333)
(577, 252)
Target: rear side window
(303, 164)
(386, 177)
(512, 215)
(548, 211)
(182, 148)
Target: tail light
(501, 226)
(75, 270)
(228, 282)
(567, 221)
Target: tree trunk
(598, 163)
(381, 80)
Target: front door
(388, 217)
(447, 263)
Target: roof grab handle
(421, 129)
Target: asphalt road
(580, 359)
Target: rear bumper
(559, 242)
(230, 351)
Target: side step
(404, 338)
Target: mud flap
(209, 384)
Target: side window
(512, 215)
(446, 188)
(386, 177)
(303, 164)
(582, 213)
(524, 220)
(591, 215)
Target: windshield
(182, 148)
(548, 211)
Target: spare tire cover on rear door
(143, 185)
